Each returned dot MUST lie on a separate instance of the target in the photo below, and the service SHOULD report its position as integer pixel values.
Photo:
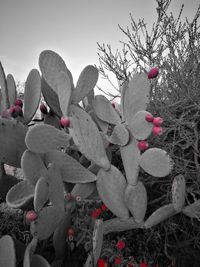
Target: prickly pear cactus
(7, 251)
(130, 126)
(12, 136)
(84, 125)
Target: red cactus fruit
(94, 214)
(43, 109)
(153, 73)
(120, 244)
(113, 103)
(70, 231)
(12, 109)
(98, 211)
(31, 215)
(143, 264)
(157, 130)
(142, 145)
(118, 260)
(101, 263)
(18, 111)
(158, 121)
(103, 207)
(15, 111)
(64, 121)
(18, 102)
(149, 118)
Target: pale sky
(71, 28)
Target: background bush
(173, 45)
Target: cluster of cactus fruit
(77, 120)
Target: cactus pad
(119, 136)
(139, 127)
(4, 92)
(111, 187)
(41, 195)
(136, 200)
(44, 138)
(12, 135)
(160, 215)
(101, 124)
(7, 251)
(64, 88)
(105, 139)
(97, 240)
(33, 166)
(87, 100)
(83, 190)
(60, 234)
(32, 95)
(89, 261)
(46, 223)
(88, 136)
(56, 189)
(86, 83)
(11, 86)
(71, 170)
(51, 97)
(39, 261)
(20, 195)
(135, 96)
(130, 156)
(30, 249)
(51, 64)
(53, 120)
(192, 210)
(104, 110)
(178, 192)
(156, 162)
(116, 225)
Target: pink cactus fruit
(157, 130)
(153, 73)
(142, 145)
(149, 118)
(31, 216)
(158, 121)
(65, 121)
(18, 102)
(43, 108)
